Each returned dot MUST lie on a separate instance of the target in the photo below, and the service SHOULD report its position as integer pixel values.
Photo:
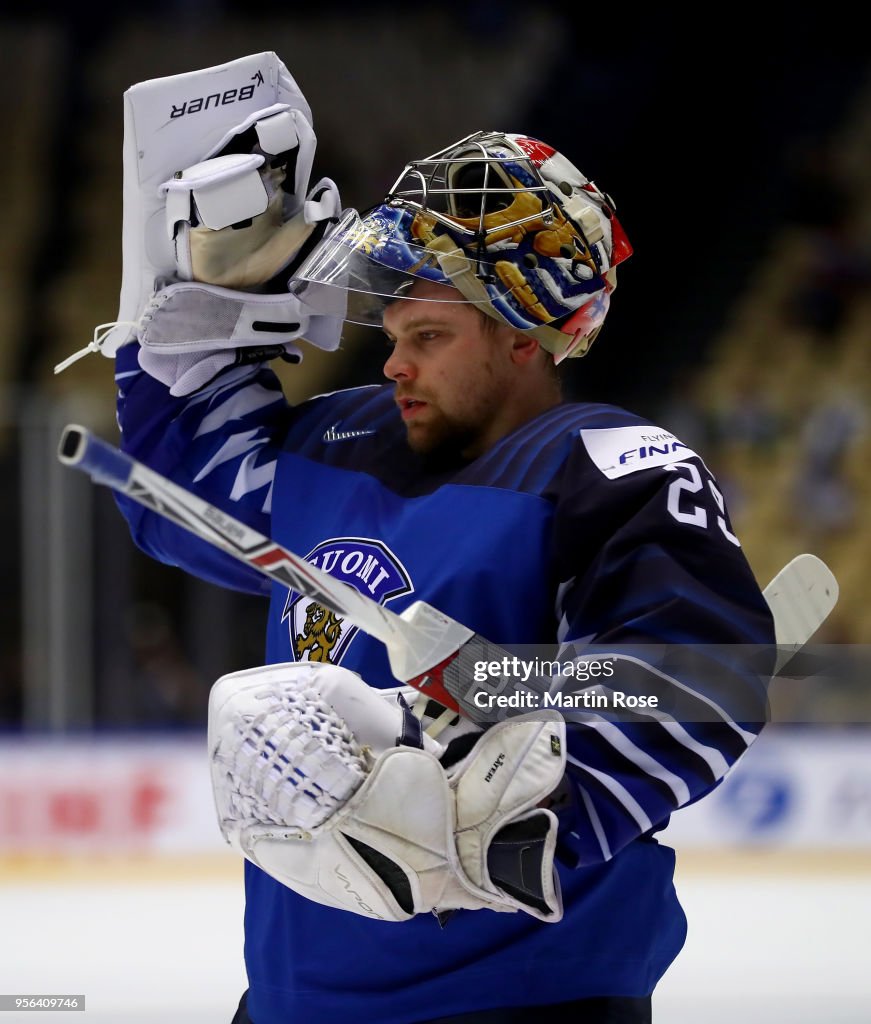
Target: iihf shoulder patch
(618, 451)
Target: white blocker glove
(311, 786)
(235, 227)
(217, 194)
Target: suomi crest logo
(317, 634)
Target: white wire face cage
(472, 186)
(503, 220)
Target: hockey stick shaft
(425, 647)
(107, 465)
(422, 652)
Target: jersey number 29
(694, 514)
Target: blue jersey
(585, 524)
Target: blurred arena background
(740, 161)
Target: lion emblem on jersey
(313, 632)
(320, 634)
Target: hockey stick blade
(801, 597)
(426, 648)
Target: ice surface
(772, 948)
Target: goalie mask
(505, 219)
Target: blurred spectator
(825, 500)
(837, 271)
(684, 411)
(747, 418)
(167, 690)
(837, 260)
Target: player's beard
(439, 436)
(440, 433)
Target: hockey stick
(426, 648)
(800, 597)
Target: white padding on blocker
(277, 133)
(224, 191)
(177, 122)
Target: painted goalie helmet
(505, 219)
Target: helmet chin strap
(457, 268)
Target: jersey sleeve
(220, 443)
(654, 581)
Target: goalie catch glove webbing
(310, 786)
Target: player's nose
(399, 365)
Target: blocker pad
(172, 124)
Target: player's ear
(524, 348)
